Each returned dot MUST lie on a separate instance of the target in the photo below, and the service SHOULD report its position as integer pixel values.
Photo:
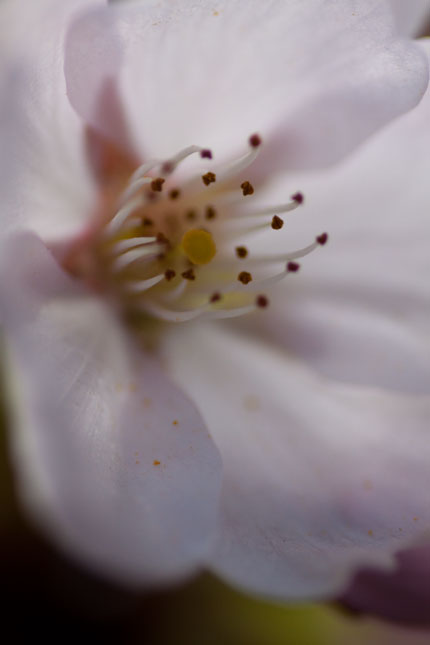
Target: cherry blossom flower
(147, 178)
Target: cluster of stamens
(166, 251)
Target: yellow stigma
(198, 246)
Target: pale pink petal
(320, 477)
(358, 310)
(314, 78)
(44, 180)
(113, 460)
(411, 16)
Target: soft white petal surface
(44, 180)
(411, 16)
(314, 77)
(359, 309)
(114, 460)
(319, 476)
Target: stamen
(178, 255)
(254, 140)
(122, 215)
(322, 239)
(218, 314)
(177, 292)
(144, 285)
(247, 188)
(241, 252)
(170, 165)
(140, 253)
(209, 178)
(210, 212)
(169, 274)
(157, 184)
(174, 193)
(294, 255)
(280, 208)
(244, 277)
(244, 162)
(191, 215)
(277, 223)
(262, 301)
(133, 242)
(298, 197)
(189, 274)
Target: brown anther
(277, 223)
(210, 212)
(206, 153)
(189, 274)
(293, 267)
(262, 301)
(215, 297)
(209, 178)
(241, 251)
(254, 140)
(157, 184)
(322, 239)
(298, 198)
(247, 188)
(169, 274)
(191, 215)
(244, 277)
(174, 193)
(147, 221)
(162, 239)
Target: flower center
(174, 247)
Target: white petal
(319, 477)
(411, 16)
(114, 461)
(359, 308)
(313, 77)
(44, 179)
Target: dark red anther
(293, 267)
(206, 153)
(322, 239)
(299, 198)
(169, 274)
(262, 301)
(255, 140)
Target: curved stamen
(144, 285)
(272, 210)
(169, 165)
(177, 292)
(284, 257)
(122, 215)
(122, 246)
(140, 253)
